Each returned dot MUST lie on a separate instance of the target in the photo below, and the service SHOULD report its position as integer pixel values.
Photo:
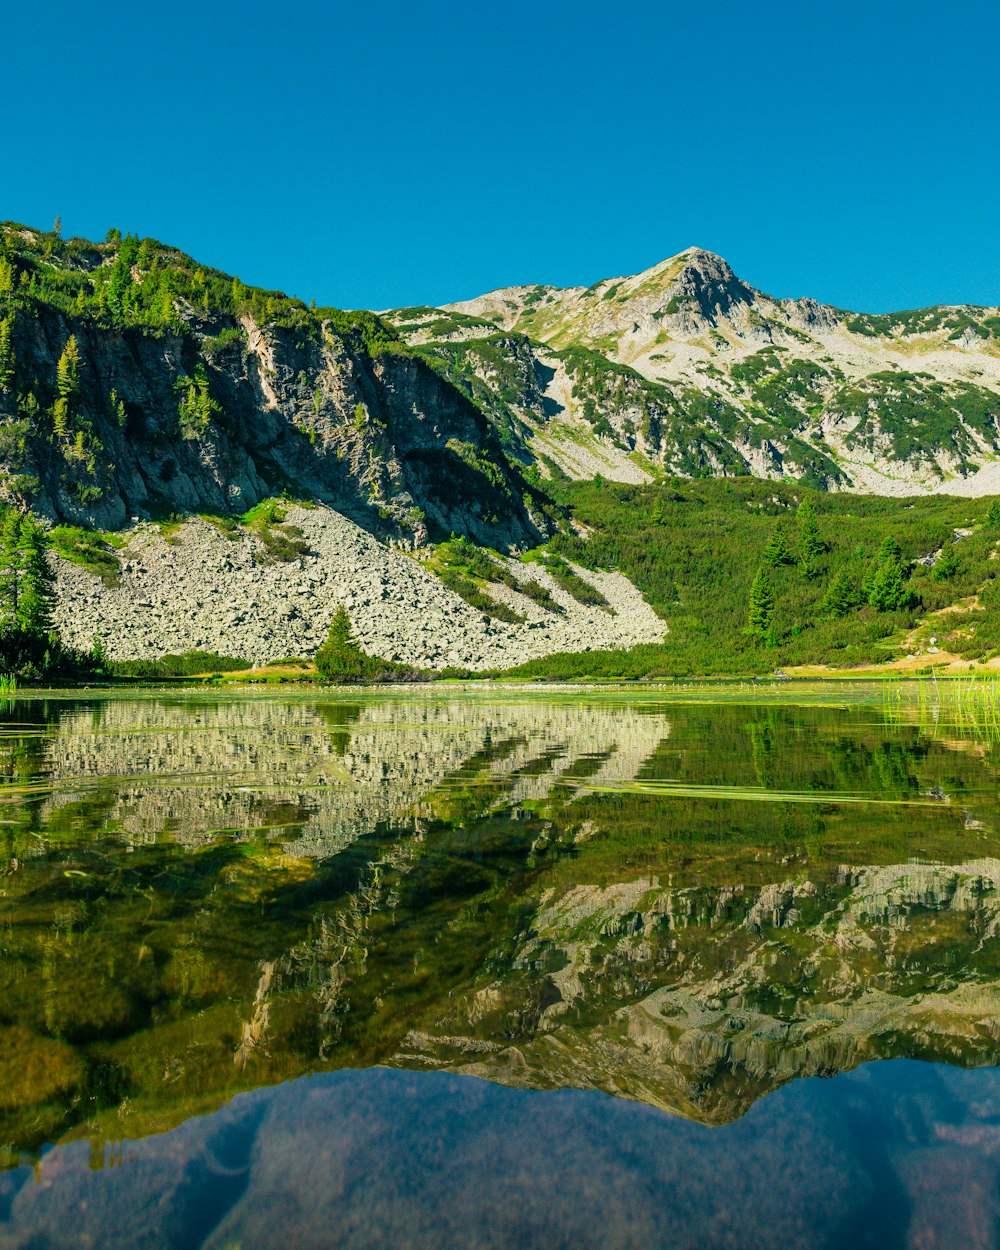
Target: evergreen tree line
(748, 573)
(30, 647)
(885, 588)
(145, 285)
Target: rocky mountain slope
(134, 382)
(139, 387)
(688, 368)
(199, 588)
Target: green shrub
(341, 659)
(89, 549)
(179, 664)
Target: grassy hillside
(847, 588)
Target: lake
(693, 966)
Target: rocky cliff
(211, 403)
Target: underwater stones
(34, 1069)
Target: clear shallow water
(698, 902)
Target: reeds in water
(965, 706)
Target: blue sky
(371, 155)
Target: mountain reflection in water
(685, 902)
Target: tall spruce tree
(840, 596)
(67, 385)
(6, 352)
(26, 582)
(777, 550)
(37, 595)
(340, 657)
(887, 588)
(810, 544)
(10, 578)
(760, 617)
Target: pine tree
(6, 276)
(120, 286)
(68, 369)
(26, 582)
(946, 565)
(889, 549)
(35, 599)
(777, 550)
(6, 353)
(993, 515)
(340, 656)
(117, 408)
(67, 384)
(340, 635)
(887, 589)
(10, 578)
(810, 543)
(197, 407)
(840, 596)
(163, 308)
(760, 617)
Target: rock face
(201, 589)
(308, 410)
(697, 371)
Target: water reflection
(683, 903)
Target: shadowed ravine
(685, 902)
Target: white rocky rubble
(198, 588)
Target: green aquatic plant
(964, 706)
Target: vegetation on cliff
(136, 382)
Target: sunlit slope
(694, 369)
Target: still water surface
(488, 969)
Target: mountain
(687, 368)
(496, 482)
